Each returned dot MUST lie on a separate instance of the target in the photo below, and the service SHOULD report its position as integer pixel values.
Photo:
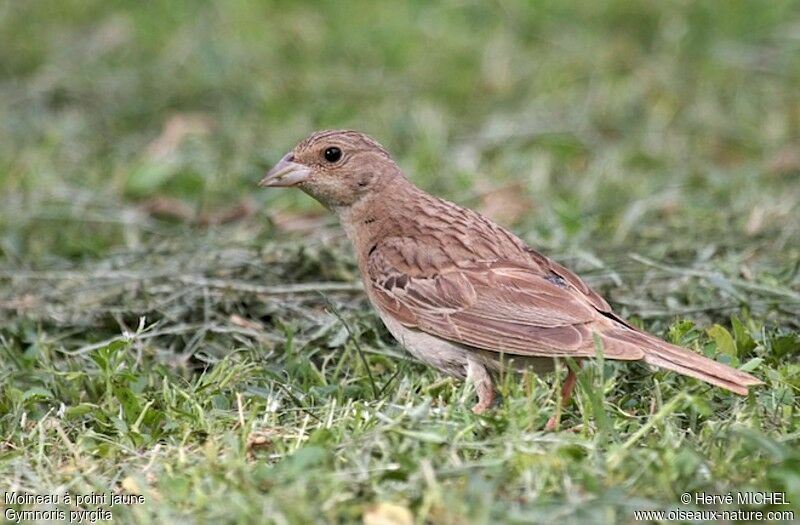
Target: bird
(461, 293)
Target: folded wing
(499, 306)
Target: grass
(169, 330)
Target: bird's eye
(333, 154)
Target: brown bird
(461, 293)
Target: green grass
(232, 371)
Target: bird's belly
(451, 358)
(441, 354)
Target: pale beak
(287, 172)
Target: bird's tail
(678, 359)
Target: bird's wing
(496, 305)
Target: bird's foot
(482, 406)
(553, 423)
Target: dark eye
(333, 154)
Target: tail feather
(678, 359)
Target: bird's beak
(287, 172)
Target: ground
(169, 329)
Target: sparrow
(459, 292)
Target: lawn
(170, 331)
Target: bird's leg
(482, 381)
(566, 395)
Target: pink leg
(482, 381)
(566, 395)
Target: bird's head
(337, 168)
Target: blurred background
(574, 123)
(654, 147)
